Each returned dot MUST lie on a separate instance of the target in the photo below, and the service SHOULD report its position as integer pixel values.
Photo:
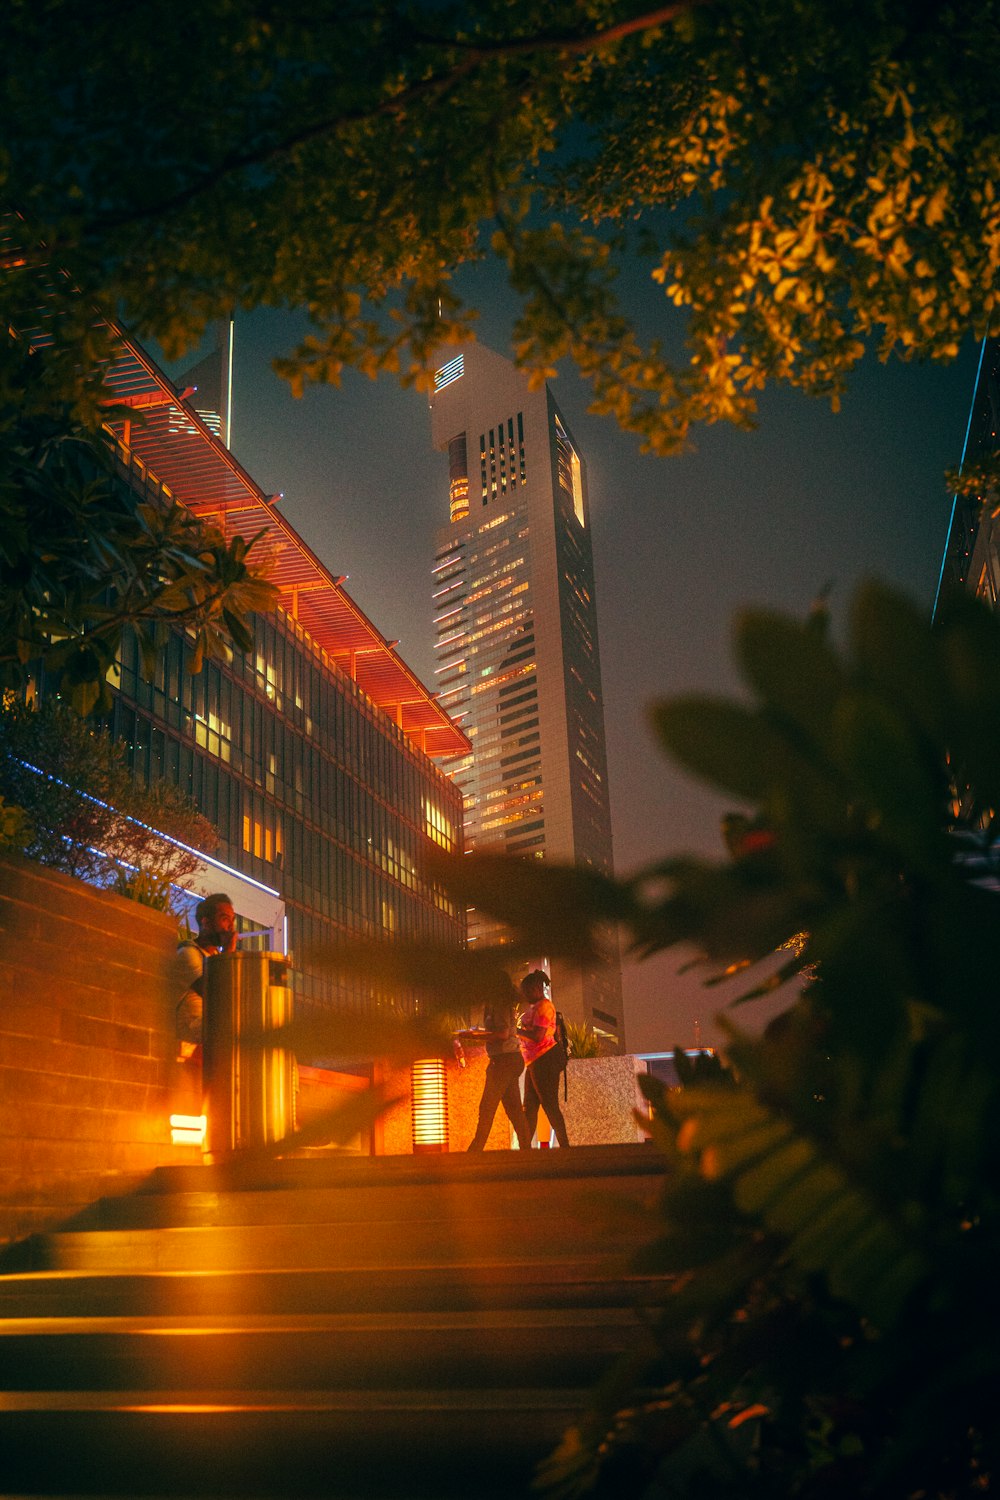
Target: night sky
(809, 499)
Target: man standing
(216, 918)
(504, 1069)
(544, 1065)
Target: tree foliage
(805, 178)
(15, 828)
(85, 814)
(85, 560)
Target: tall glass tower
(516, 637)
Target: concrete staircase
(393, 1328)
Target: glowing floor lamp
(429, 1092)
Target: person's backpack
(562, 1051)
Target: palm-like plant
(831, 1207)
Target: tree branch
(476, 54)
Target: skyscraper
(516, 638)
(210, 382)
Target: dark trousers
(541, 1086)
(501, 1087)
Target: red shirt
(542, 1015)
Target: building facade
(312, 754)
(516, 638)
(972, 551)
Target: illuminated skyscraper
(211, 384)
(516, 627)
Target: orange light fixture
(187, 1130)
(429, 1095)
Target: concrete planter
(602, 1098)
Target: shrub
(146, 889)
(88, 815)
(831, 1213)
(15, 827)
(582, 1040)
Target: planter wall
(603, 1095)
(88, 1076)
(603, 1098)
(394, 1131)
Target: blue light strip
(668, 1056)
(166, 837)
(954, 498)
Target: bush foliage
(84, 560)
(86, 814)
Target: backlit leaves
(786, 1182)
(84, 563)
(805, 182)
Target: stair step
(417, 1328)
(408, 1445)
(261, 1247)
(341, 1169)
(536, 1198)
(311, 1351)
(509, 1284)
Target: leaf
(359, 1034)
(556, 909)
(241, 634)
(896, 651)
(339, 1126)
(722, 743)
(793, 669)
(900, 789)
(756, 1188)
(782, 1180)
(724, 1156)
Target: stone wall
(88, 1076)
(603, 1099)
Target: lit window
(438, 826)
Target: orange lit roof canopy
(174, 443)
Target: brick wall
(87, 1045)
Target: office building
(516, 639)
(972, 550)
(313, 753)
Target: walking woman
(503, 1071)
(543, 1065)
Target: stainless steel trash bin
(249, 1083)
